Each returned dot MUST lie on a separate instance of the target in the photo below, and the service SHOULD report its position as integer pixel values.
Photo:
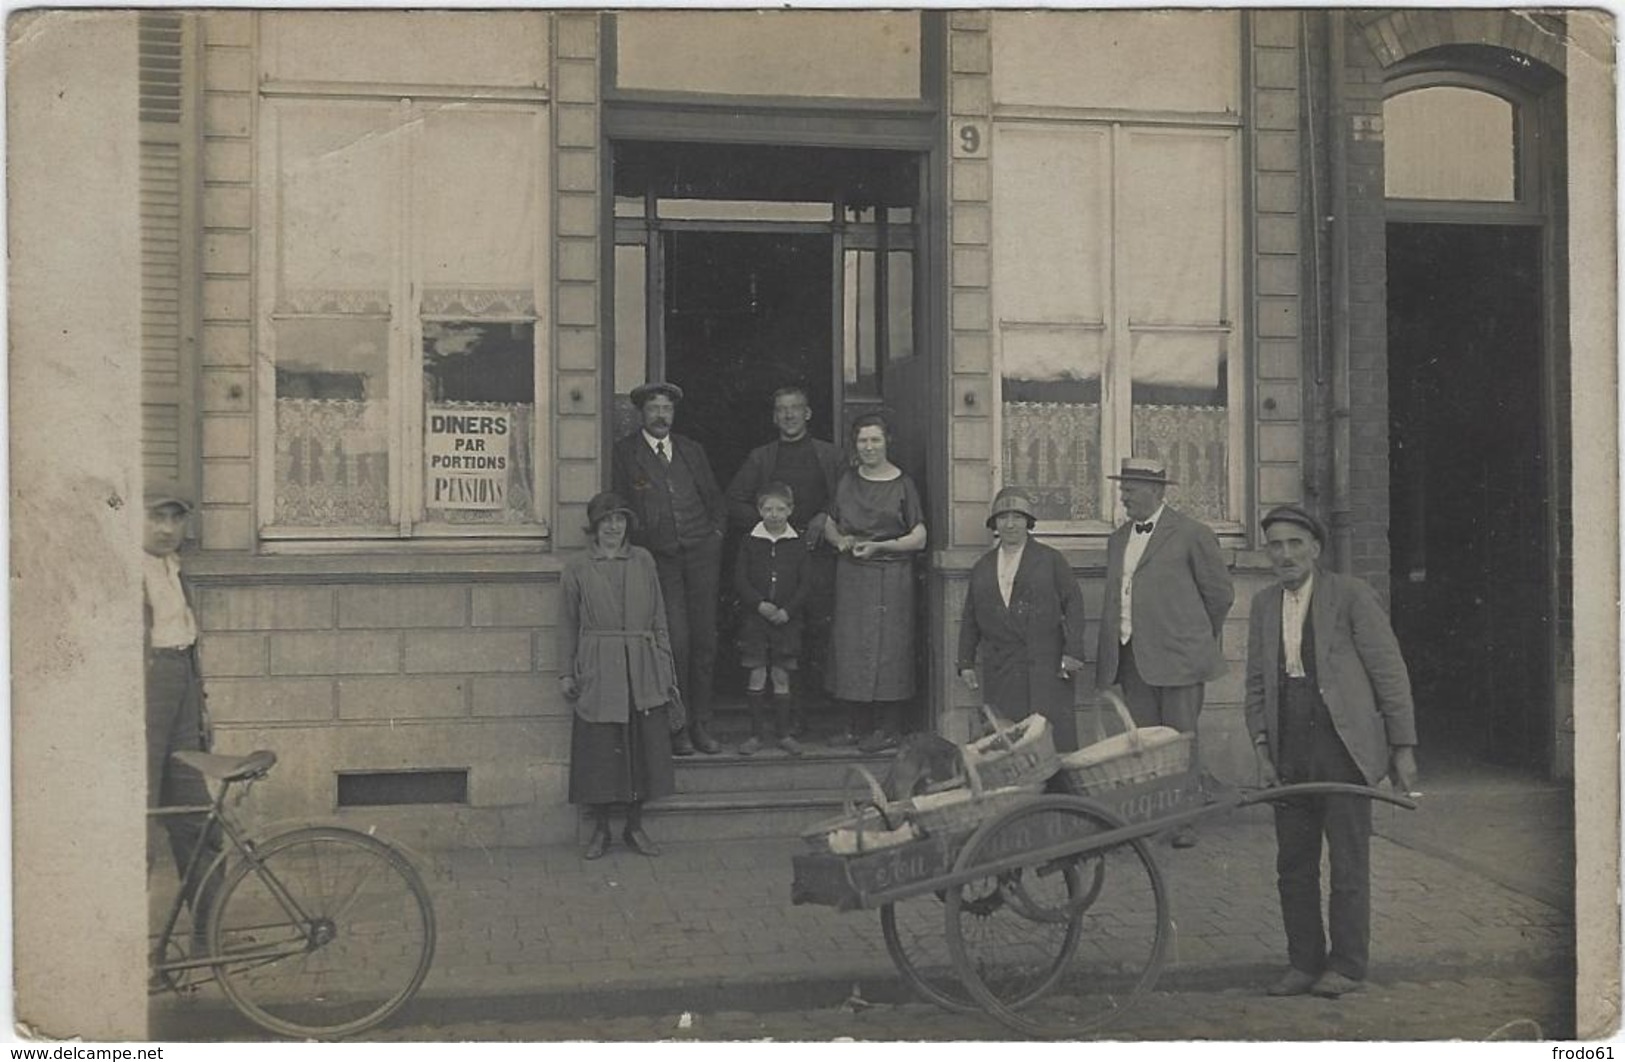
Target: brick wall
(367, 676)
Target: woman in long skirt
(616, 671)
(877, 525)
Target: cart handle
(1297, 789)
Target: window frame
(405, 317)
(1528, 203)
(1117, 329)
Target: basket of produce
(960, 810)
(1138, 754)
(872, 824)
(1014, 753)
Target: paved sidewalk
(1476, 882)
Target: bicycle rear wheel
(357, 947)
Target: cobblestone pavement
(1472, 884)
(1469, 1009)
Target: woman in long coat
(616, 670)
(1024, 613)
(876, 524)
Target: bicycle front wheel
(324, 934)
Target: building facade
(401, 270)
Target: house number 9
(969, 141)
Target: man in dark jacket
(1328, 700)
(680, 518)
(810, 467)
(1167, 594)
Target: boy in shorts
(770, 577)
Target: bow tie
(1145, 528)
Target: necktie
(660, 448)
(1144, 529)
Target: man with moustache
(680, 515)
(1328, 700)
(810, 467)
(1167, 594)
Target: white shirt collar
(1152, 519)
(761, 531)
(1303, 593)
(653, 442)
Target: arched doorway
(1474, 382)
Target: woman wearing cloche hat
(1024, 614)
(616, 671)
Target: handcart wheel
(914, 939)
(1049, 976)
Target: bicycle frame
(216, 816)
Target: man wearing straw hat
(1167, 594)
(1024, 615)
(1328, 700)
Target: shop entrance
(1470, 487)
(743, 269)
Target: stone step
(739, 815)
(772, 770)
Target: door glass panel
(631, 330)
(332, 422)
(742, 210)
(861, 366)
(899, 305)
(1051, 409)
(479, 406)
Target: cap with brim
(1144, 470)
(167, 492)
(603, 505)
(1296, 514)
(643, 392)
(1011, 500)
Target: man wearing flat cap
(681, 514)
(1167, 593)
(1024, 615)
(176, 717)
(1328, 700)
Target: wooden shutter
(168, 252)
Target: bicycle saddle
(228, 768)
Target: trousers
(1311, 751)
(689, 582)
(175, 723)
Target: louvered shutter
(168, 277)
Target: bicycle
(318, 932)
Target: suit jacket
(1021, 644)
(1357, 661)
(1182, 593)
(640, 477)
(758, 471)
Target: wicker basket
(1015, 754)
(1135, 755)
(959, 811)
(863, 827)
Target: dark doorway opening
(1469, 486)
(746, 314)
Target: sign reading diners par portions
(466, 456)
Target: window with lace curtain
(400, 316)
(1117, 264)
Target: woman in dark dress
(877, 525)
(616, 671)
(1024, 618)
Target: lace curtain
(1193, 442)
(332, 462)
(1053, 451)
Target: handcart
(1051, 915)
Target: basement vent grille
(372, 789)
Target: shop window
(1117, 261)
(401, 319)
